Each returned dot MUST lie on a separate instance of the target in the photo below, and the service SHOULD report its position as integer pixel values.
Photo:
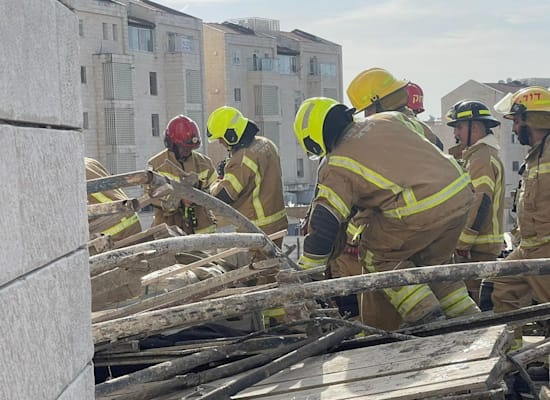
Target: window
(300, 167)
(515, 165)
(313, 66)
(80, 27)
(153, 83)
(237, 94)
(327, 69)
(105, 31)
(85, 121)
(236, 57)
(83, 74)
(115, 32)
(155, 124)
(140, 38)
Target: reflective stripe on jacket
(128, 225)
(253, 181)
(487, 173)
(165, 163)
(534, 198)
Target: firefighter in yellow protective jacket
(483, 237)
(376, 90)
(529, 108)
(127, 226)
(181, 139)
(252, 176)
(380, 165)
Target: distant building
(140, 64)
(266, 73)
(512, 153)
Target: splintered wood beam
(111, 259)
(230, 306)
(118, 181)
(114, 207)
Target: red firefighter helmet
(416, 98)
(184, 131)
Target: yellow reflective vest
(253, 181)
(165, 163)
(486, 171)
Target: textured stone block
(43, 214)
(46, 330)
(82, 388)
(39, 73)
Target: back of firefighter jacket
(386, 166)
(253, 180)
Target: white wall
(46, 347)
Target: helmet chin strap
(469, 141)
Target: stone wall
(46, 345)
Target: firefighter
(251, 179)
(483, 237)
(378, 166)
(376, 90)
(416, 98)
(529, 109)
(182, 139)
(127, 226)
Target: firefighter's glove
(221, 168)
(170, 203)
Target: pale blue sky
(437, 44)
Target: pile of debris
(175, 319)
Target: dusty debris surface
(199, 317)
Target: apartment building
(512, 153)
(252, 65)
(140, 65)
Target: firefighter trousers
(374, 307)
(513, 292)
(424, 302)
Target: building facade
(266, 73)
(140, 65)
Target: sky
(434, 43)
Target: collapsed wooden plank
(230, 306)
(312, 347)
(169, 369)
(381, 361)
(111, 259)
(191, 292)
